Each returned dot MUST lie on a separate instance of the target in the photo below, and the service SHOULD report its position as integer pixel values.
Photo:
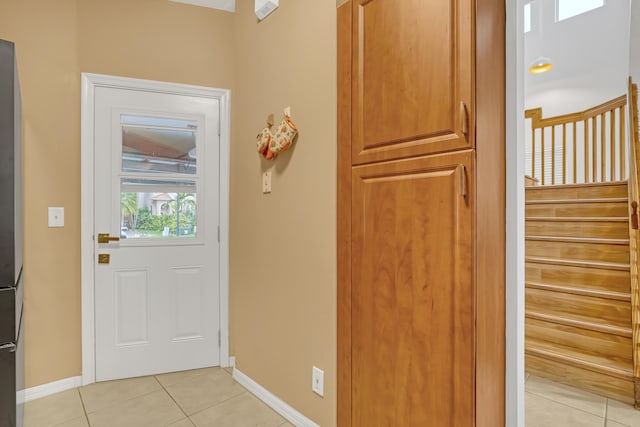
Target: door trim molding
(89, 84)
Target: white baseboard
(273, 401)
(232, 361)
(44, 390)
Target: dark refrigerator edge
(11, 235)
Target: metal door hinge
(218, 234)
(219, 338)
(464, 119)
(462, 180)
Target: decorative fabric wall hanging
(271, 144)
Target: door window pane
(570, 8)
(155, 209)
(527, 17)
(157, 145)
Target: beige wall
(56, 40)
(156, 40)
(283, 244)
(45, 34)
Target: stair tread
(580, 358)
(620, 296)
(579, 263)
(581, 185)
(597, 240)
(576, 201)
(581, 322)
(578, 218)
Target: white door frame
(89, 84)
(514, 268)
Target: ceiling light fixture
(540, 65)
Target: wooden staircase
(578, 292)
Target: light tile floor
(550, 404)
(203, 397)
(210, 397)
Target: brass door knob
(105, 238)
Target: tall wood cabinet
(408, 325)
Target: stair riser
(578, 307)
(612, 230)
(577, 251)
(578, 192)
(602, 384)
(613, 347)
(588, 278)
(578, 210)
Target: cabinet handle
(462, 180)
(464, 119)
(634, 215)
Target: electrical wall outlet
(266, 182)
(317, 381)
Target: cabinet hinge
(464, 119)
(462, 180)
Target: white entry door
(156, 235)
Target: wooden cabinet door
(412, 293)
(412, 63)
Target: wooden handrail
(634, 234)
(603, 150)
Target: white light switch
(266, 182)
(56, 217)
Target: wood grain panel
(577, 191)
(596, 310)
(589, 278)
(412, 293)
(581, 228)
(412, 71)
(491, 209)
(592, 361)
(578, 251)
(586, 208)
(584, 323)
(602, 384)
(578, 359)
(344, 215)
(587, 342)
(577, 289)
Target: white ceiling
(228, 5)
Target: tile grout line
(117, 402)
(568, 406)
(174, 400)
(84, 409)
(208, 407)
(221, 402)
